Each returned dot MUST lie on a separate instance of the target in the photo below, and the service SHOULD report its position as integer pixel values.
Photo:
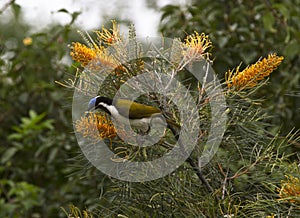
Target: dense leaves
(36, 127)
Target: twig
(199, 174)
(192, 163)
(6, 6)
(225, 179)
(238, 174)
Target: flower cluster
(252, 74)
(95, 56)
(111, 36)
(81, 53)
(95, 126)
(290, 189)
(196, 46)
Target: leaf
(63, 10)
(32, 114)
(268, 21)
(15, 136)
(16, 10)
(52, 155)
(292, 49)
(283, 9)
(48, 124)
(74, 16)
(8, 154)
(169, 10)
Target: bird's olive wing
(136, 110)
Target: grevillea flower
(27, 41)
(96, 126)
(95, 58)
(195, 46)
(111, 36)
(82, 54)
(252, 74)
(290, 189)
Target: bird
(141, 115)
(125, 111)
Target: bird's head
(99, 102)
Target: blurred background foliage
(36, 134)
(41, 168)
(243, 31)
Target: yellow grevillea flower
(111, 36)
(95, 126)
(95, 58)
(252, 74)
(27, 41)
(195, 46)
(290, 189)
(82, 54)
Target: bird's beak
(91, 108)
(92, 104)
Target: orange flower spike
(250, 76)
(82, 53)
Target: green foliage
(245, 31)
(36, 127)
(31, 126)
(28, 132)
(19, 198)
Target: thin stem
(6, 6)
(192, 163)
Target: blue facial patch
(92, 103)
